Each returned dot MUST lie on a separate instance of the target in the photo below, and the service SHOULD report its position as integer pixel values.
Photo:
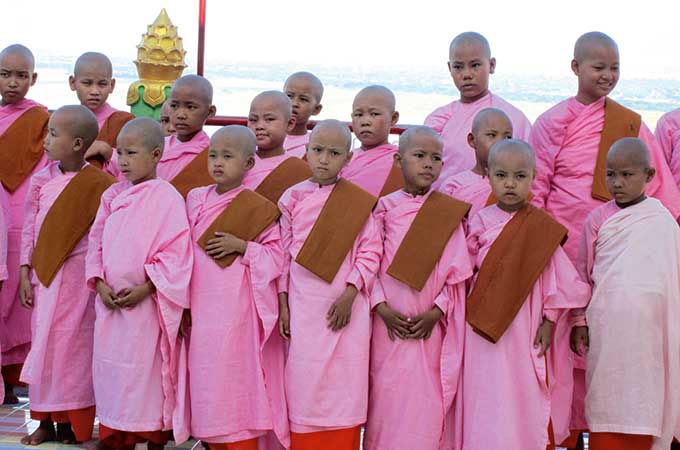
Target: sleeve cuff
(355, 278)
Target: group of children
(268, 287)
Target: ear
(395, 118)
(350, 154)
(574, 67)
(78, 144)
(72, 82)
(398, 159)
(156, 154)
(212, 110)
(650, 174)
(492, 65)
(317, 109)
(471, 140)
(113, 84)
(291, 124)
(448, 65)
(250, 163)
(34, 78)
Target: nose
(467, 74)
(13, 82)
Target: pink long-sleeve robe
(369, 169)
(566, 140)
(296, 145)
(141, 232)
(15, 320)
(326, 372)
(262, 168)
(506, 402)
(59, 366)
(668, 136)
(631, 257)
(413, 382)
(3, 260)
(235, 352)
(470, 188)
(453, 122)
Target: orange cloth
(344, 439)
(81, 420)
(250, 444)
(619, 441)
(289, 173)
(195, 174)
(572, 441)
(128, 439)
(394, 181)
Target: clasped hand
(416, 327)
(125, 298)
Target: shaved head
(274, 99)
(312, 80)
(486, 115)
(80, 123)
(420, 131)
(333, 126)
(513, 147)
(379, 93)
(588, 41)
(470, 38)
(237, 135)
(632, 150)
(199, 86)
(147, 132)
(93, 60)
(21, 51)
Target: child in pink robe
(470, 64)
(235, 395)
(58, 368)
(668, 136)
(328, 324)
(3, 261)
(139, 260)
(632, 335)
(566, 139)
(416, 346)
(472, 186)
(373, 115)
(513, 391)
(16, 65)
(305, 91)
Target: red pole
(200, 58)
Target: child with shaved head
(305, 91)
(571, 141)
(419, 301)
(23, 126)
(332, 252)
(518, 298)
(61, 204)
(470, 65)
(489, 126)
(235, 352)
(632, 336)
(373, 167)
(139, 262)
(270, 119)
(93, 82)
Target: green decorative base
(142, 109)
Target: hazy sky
(528, 37)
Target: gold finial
(160, 61)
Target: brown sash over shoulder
(109, 133)
(514, 262)
(68, 221)
(426, 238)
(619, 122)
(21, 146)
(335, 230)
(195, 174)
(248, 215)
(394, 181)
(289, 173)
(491, 199)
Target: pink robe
(506, 401)
(3, 260)
(413, 382)
(296, 145)
(235, 352)
(470, 188)
(668, 136)
(141, 232)
(262, 168)
(369, 169)
(15, 320)
(103, 113)
(453, 122)
(59, 366)
(326, 372)
(631, 257)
